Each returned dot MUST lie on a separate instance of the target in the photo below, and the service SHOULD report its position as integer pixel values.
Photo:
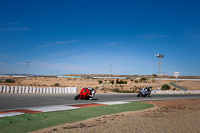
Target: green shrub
(154, 75)
(142, 79)
(131, 80)
(121, 91)
(56, 84)
(136, 81)
(127, 91)
(116, 90)
(121, 82)
(100, 81)
(117, 81)
(112, 81)
(10, 81)
(165, 87)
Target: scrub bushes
(165, 87)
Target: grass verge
(32, 122)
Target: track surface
(14, 101)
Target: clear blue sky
(86, 36)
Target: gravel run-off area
(174, 116)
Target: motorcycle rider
(149, 88)
(92, 92)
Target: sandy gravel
(190, 85)
(175, 116)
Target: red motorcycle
(86, 93)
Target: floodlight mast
(27, 70)
(110, 70)
(159, 56)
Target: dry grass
(105, 87)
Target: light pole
(27, 70)
(110, 70)
(159, 56)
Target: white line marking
(10, 114)
(52, 108)
(113, 103)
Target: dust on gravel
(168, 116)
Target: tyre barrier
(26, 89)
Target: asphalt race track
(15, 101)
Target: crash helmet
(90, 88)
(149, 87)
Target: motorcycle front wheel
(77, 97)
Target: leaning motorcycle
(144, 92)
(86, 93)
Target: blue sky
(85, 37)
